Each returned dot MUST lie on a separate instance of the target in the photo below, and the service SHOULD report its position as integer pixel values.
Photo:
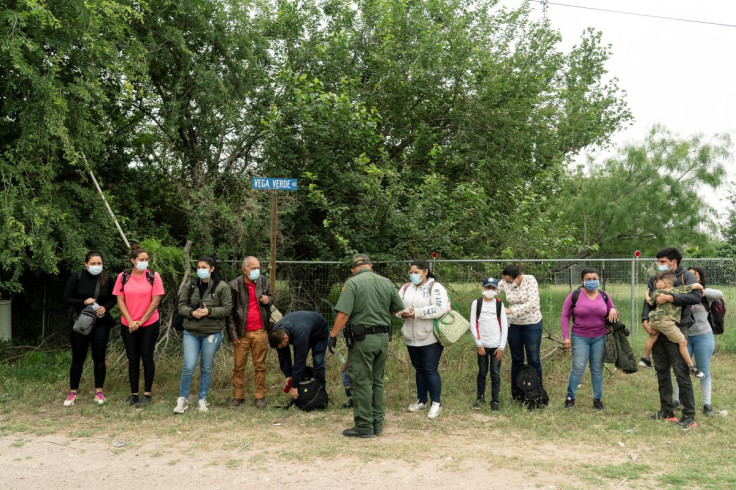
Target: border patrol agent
(365, 308)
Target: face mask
(141, 266)
(590, 285)
(663, 268)
(94, 269)
(254, 274)
(489, 293)
(415, 279)
(203, 273)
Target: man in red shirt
(247, 329)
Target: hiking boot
(348, 404)
(181, 405)
(260, 403)
(478, 404)
(378, 431)
(99, 398)
(645, 363)
(696, 372)
(495, 407)
(235, 402)
(202, 406)
(687, 423)
(353, 432)
(598, 404)
(569, 402)
(708, 411)
(434, 410)
(70, 399)
(660, 415)
(132, 400)
(143, 401)
(415, 407)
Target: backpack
(479, 307)
(530, 388)
(716, 315)
(312, 395)
(126, 277)
(177, 321)
(576, 295)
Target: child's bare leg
(684, 353)
(648, 345)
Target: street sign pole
(274, 218)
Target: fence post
(633, 285)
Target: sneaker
(70, 399)
(434, 410)
(660, 415)
(132, 400)
(143, 401)
(708, 411)
(598, 404)
(687, 423)
(260, 403)
(100, 398)
(495, 407)
(202, 405)
(569, 402)
(181, 405)
(478, 404)
(696, 372)
(415, 407)
(645, 363)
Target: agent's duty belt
(376, 330)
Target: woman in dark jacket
(80, 292)
(204, 307)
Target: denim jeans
(425, 360)
(586, 349)
(701, 349)
(524, 339)
(495, 365)
(194, 346)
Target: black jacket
(238, 317)
(81, 286)
(684, 277)
(305, 330)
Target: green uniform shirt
(667, 311)
(368, 300)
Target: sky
(679, 74)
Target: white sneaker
(203, 405)
(434, 410)
(415, 407)
(181, 405)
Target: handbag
(84, 322)
(450, 327)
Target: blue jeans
(524, 338)
(193, 346)
(425, 360)
(586, 349)
(701, 349)
(495, 365)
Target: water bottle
(96, 307)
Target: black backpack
(126, 277)
(576, 295)
(177, 321)
(530, 388)
(716, 315)
(312, 395)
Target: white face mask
(489, 293)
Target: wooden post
(272, 268)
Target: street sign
(637, 254)
(270, 184)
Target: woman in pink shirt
(139, 292)
(588, 339)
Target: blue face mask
(414, 278)
(94, 269)
(590, 285)
(141, 266)
(203, 273)
(254, 274)
(663, 268)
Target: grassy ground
(639, 451)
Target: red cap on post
(434, 255)
(637, 254)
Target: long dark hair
(87, 258)
(423, 265)
(215, 277)
(701, 273)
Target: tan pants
(257, 342)
(669, 329)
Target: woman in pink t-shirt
(139, 292)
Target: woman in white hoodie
(424, 301)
